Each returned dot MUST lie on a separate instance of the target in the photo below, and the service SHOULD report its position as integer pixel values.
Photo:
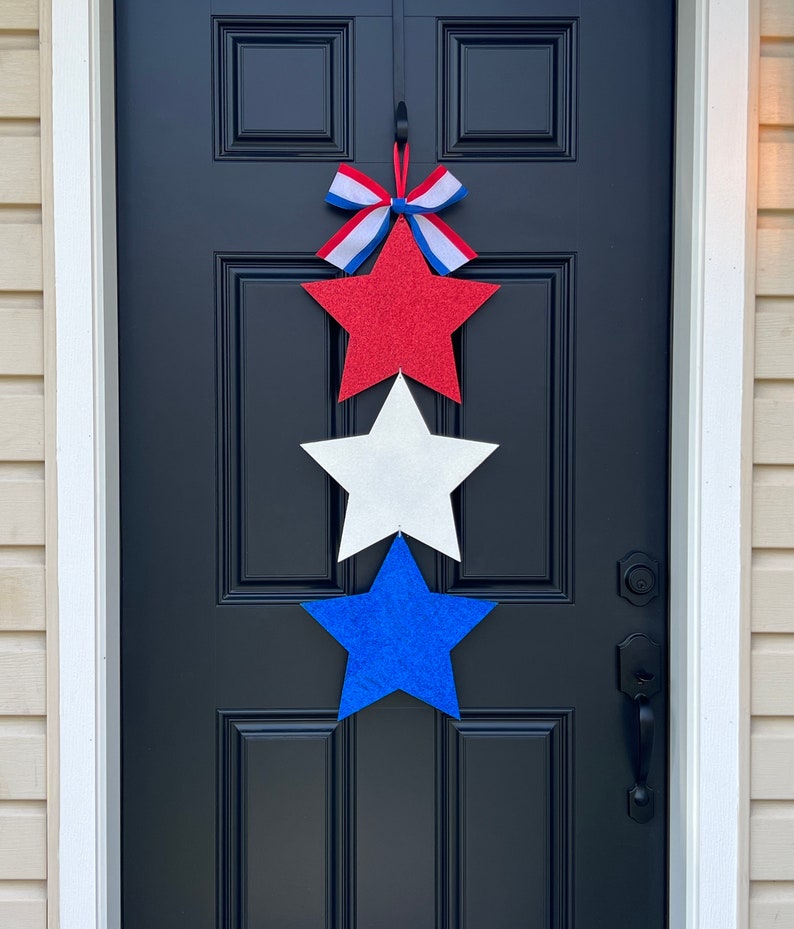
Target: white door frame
(713, 284)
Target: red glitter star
(400, 316)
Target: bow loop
(351, 189)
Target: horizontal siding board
(773, 516)
(772, 758)
(21, 341)
(21, 428)
(772, 841)
(777, 19)
(772, 905)
(21, 598)
(20, 177)
(776, 174)
(774, 340)
(773, 600)
(23, 914)
(23, 761)
(773, 426)
(19, 14)
(775, 261)
(20, 256)
(773, 683)
(21, 512)
(22, 842)
(22, 676)
(777, 91)
(19, 83)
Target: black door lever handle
(639, 677)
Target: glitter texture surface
(401, 316)
(399, 635)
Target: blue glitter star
(399, 635)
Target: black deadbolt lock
(638, 578)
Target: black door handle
(640, 794)
(639, 677)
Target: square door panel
(507, 90)
(282, 89)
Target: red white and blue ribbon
(351, 189)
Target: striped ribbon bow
(357, 239)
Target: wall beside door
(772, 782)
(22, 524)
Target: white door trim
(709, 534)
(711, 462)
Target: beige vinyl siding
(23, 762)
(772, 665)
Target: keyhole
(640, 579)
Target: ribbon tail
(357, 239)
(444, 249)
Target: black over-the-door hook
(401, 123)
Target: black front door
(245, 804)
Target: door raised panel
(282, 88)
(507, 852)
(516, 546)
(278, 363)
(285, 817)
(296, 795)
(278, 539)
(507, 89)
